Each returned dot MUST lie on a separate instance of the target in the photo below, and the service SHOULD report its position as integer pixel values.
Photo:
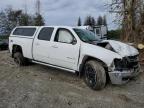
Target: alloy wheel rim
(90, 75)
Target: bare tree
(11, 18)
(130, 13)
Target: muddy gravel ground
(38, 86)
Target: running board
(73, 71)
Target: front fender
(102, 54)
(86, 58)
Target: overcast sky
(64, 12)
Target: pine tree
(104, 20)
(79, 22)
(87, 21)
(38, 20)
(24, 20)
(100, 20)
(93, 21)
(90, 21)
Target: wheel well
(16, 48)
(87, 58)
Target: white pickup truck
(75, 50)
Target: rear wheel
(19, 59)
(95, 76)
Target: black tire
(19, 59)
(94, 75)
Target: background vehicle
(99, 31)
(75, 50)
(3, 45)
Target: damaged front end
(124, 69)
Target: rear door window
(24, 31)
(46, 33)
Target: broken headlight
(118, 64)
(121, 64)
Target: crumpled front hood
(122, 48)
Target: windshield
(86, 36)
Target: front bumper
(122, 77)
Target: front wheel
(95, 76)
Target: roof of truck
(45, 26)
(70, 27)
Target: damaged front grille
(130, 62)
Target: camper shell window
(24, 31)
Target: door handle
(11, 41)
(37, 44)
(54, 46)
(70, 58)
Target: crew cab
(75, 50)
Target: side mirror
(74, 41)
